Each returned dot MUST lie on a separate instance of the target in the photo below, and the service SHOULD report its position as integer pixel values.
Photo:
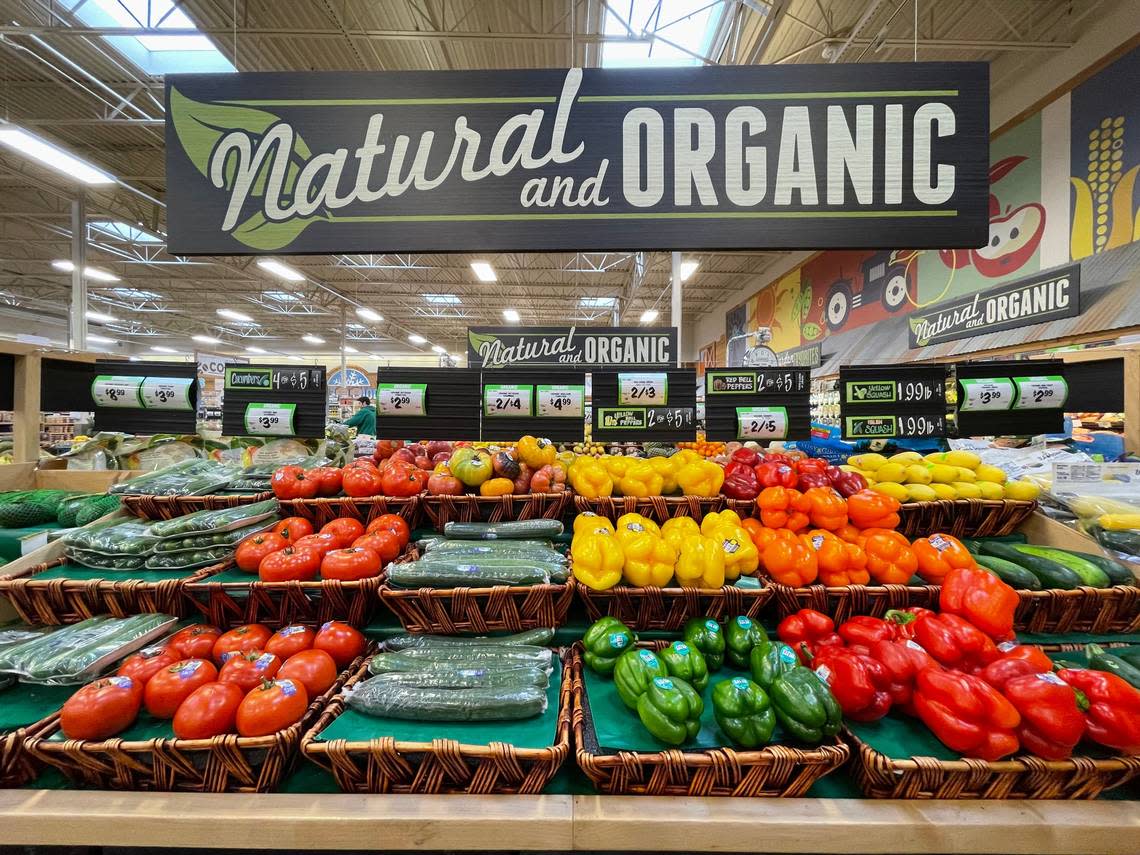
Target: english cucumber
(1012, 574)
(456, 677)
(421, 704)
(465, 574)
(1100, 659)
(472, 656)
(511, 530)
(1117, 573)
(1091, 575)
(531, 637)
(1051, 574)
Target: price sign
(508, 400)
(296, 379)
(762, 422)
(670, 417)
(986, 393)
(886, 427)
(269, 419)
(166, 393)
(560, 401)
(116, 391)
(1040, 393)
(643, 389)
(401, 399)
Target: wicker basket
(60, 601)
(744, 508)
(774, 771)
(281, 603)
(441, 510)
(17, 767)
(846, 601)
(964, 517)
(442, 765)
(657, 508)
(1093, 610)
(669, 608)
(1021, 777)
(321, 511)
(169, 507)
(220, 764)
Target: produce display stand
(653, 608)
(964, 517)
(168, 507)
(441, 510)
(657, 508)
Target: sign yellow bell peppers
(598, 560)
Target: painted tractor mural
(882, 279)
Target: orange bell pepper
(839, 563)
(778, 508)
(938, 555)
(825, 507)
(790, 563)
(754, 528)
(868, 509)
(890, 560)
(848, 533)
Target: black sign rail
(892, 401)
(642, 406)
(144, 397)
(548, 402)
(274, 401)
(759, 404)
(427, 403)
(571, 347)
(1022, 397)
(725, 157)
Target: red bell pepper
(981, 598)
(966, 713)
(954, 642)
(1113, 716)
(903, 661)
(776, 458)
(811, 478)
(1052, 714)
(775, 474)
(811, 464)
(904, 619)
(808, 632)
(740, 481)
(746, 456)
(1016, 660)
(865, 630)
(859, 683)
(845, 483)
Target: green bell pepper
(605, 641)
(671, 710)
(687, 663)
(743, 712)
(633, 673)
(769, 660)
(706, 635)
(805, 706)
(741, 634)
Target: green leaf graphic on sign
(259, 233)
(478, 340)
(915, 325)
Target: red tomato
(143, 665)
(319, 543)
(101, 709)
(271, 707)
(383, 542)
(314, 669)
(254, 548)
(249, 669)
(393, 523)
(350, 565)
(208, 711)
(293, 482)
(167, 689)
(291, 564)
(340, 641)
(327, 478)
(360, 463)
(359, 482)
(293, 528)
(194, 642)
(346, 530)
(250, 636)
(290, 640)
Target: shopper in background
(364, 419)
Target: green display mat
(537, 732)
(231, 574)
(85, 574)
(23, 703)
(10, 538)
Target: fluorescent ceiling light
(511, 315)
(417, 339)
(689, 24)
(348, 348)
(235, 316)
(484, 272)
(100, 339)
(101, 318)
(438, 349)
(254, 349)
(283, 271)
(158, 348)
(442, 299)
(119, 230)
(23, 142)
(88, 272)
(368, 314)
(597, 302)
(688, 268)
(204, 339)
(312, 339)
(649, 316)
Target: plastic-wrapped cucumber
(115, 537)
(102, 561)
(466, 573)
(223, 519)
(419, 704)
(208, 540)
(531, 638)
(67, 654)
(511, 530)
(190, 559)
(456, 677)
(421, 658)
(491, 547)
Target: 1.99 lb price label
(269, 419)
(400, 399)
(508, 401)
(762, 422)
(990, 393)
(560, 401)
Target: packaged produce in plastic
(224, 519)
(413, 659)
(114, 537)
(530, 637)
(458, 677)
(422, 704)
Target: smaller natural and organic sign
(762, 423)
(508, 400)
(621, 418)
(560, 400)
(401, 399)
(269, 419)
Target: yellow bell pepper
(716, 519)
(700, 563)
(566, 458)
(702, 478)
(649, 560)
(589, 479)
(640, 479)
(741, 557)
(592, 523)
(598, 560)
(633, 524)
(675, 530)
(535, 452)
(616, 465)
(685, 455)
(667, 469)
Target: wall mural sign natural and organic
(739, 157)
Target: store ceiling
(60, 79)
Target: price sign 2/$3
(643, 388)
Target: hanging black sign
(1043, 297)
(274, 401)
(546, 402)
(144, 397)
(640, 405)
(725, 157)
(892, 401)
(427, 403)
(1011, 397)
(759, 404)
(571, 347)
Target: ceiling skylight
(442, 299)
(154, 54)
(688, 24)
(597, 302)
(118, 230)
